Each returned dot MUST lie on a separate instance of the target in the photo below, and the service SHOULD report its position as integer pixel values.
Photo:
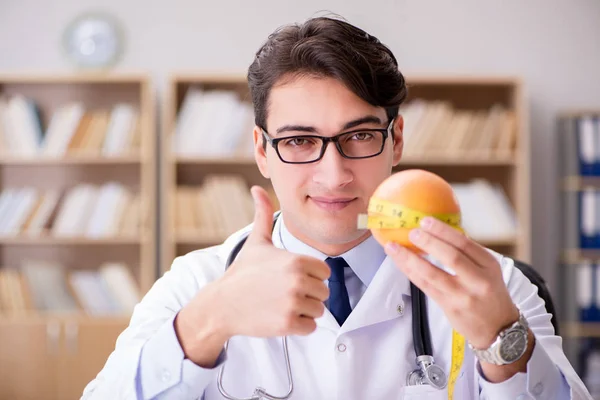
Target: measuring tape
(383, 214)
(458, 355)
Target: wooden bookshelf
(508, 169)
(62, 351)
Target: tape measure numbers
(383, 214)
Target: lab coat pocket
(426, 392)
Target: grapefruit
(418, 193)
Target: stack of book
(42, 287)
(436, 128)
(217, 208)
(218, 123)
(72, 130)
(84, 210)
(213, 123)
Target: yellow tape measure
(458, 355)
(383, 214)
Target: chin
(333, 230)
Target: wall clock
(94, 40)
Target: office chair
(543, 291)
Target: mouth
(332, 203)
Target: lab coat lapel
(382, 301)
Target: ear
(260, 154)
(398, 132)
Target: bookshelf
(77, 224)
(500, 158)
(578, 172)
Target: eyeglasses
(304, 149)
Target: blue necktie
(339, 302)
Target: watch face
(513, 345)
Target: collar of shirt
(364, 259)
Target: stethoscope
(426, 373)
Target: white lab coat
(369, 357)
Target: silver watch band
(491, 354)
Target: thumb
(263, 216)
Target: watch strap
(491, 355)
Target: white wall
(552, 44)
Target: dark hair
(327, 47)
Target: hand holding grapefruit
(402, 200)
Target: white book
(63, 125)
(92, 293)
(120, 129)
(121, 284)
(185, 120)
(28, 198)
(589, 227)
(6, 201)
(102, 219)
(587, 140)
(48, 283)
(25, 124)
(585, 280)
(8, 129)
(76, 211)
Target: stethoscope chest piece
(428, 373)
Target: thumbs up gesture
(266, 292)
(269, 291)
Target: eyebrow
(368, 119)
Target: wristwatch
(509, 346)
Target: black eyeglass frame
(325, 141)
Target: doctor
(322, 80)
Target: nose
(332, 170)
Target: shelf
(576, 183)
(576, 256)
(242, 161)
(69, 241)
(579, 113)
(508, 161)
(82, 77)
(582, 330)
(37, 317)
(497, 242)
(71, 160)
(198, 239)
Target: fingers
(304, 326)
(310, 307)
(263, 216)
(433, 281)
(315, 268)
(480, 256)
(448, 255)
(315, 289)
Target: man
(326, 97)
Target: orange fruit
(418, 190)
